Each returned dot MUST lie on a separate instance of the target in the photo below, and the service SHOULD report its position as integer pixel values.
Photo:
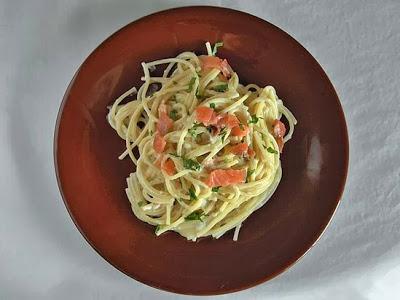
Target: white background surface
(42, 43)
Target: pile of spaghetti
(208, 146)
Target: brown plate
(92, 179)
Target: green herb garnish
(141, 203)
(241, 126)
(191, 83)
(174, 82)
(249, 173)
(192, 194)
(254, 120)
(158, 228)
(215, 189)
(173, 114)
(196, 215)
(212, 105)
(221, 88)
(191, 164)
(198, 96)
(272, 150)
(215, 48)
(223, 135)
(192, 131)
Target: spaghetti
(209, 147)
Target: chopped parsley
(173, 114)
(191, 164)
(215, 189)
(196, 215)
(221, 88)
(192, 131)
(249, 173)
(158, 228)
(174, 82)
(192, 194)
(141, 203)
(200, 97)
(197, 93)
(212, 105)
(254, 120)
(191, 83)
(216, 46)
(241, 126)
(223, 135)
(272, 150)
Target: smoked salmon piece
(240, 131)
(279, 131)
(239, 149)
(213, 62)
(221, 177)
(280, 143)
(164, 123)
(251, 152)
(207, 116)
(229, 121)
(169, 167)
(226, 68)
(159, 143)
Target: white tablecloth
(42, 255)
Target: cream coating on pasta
(183, 200)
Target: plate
(92, 179)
